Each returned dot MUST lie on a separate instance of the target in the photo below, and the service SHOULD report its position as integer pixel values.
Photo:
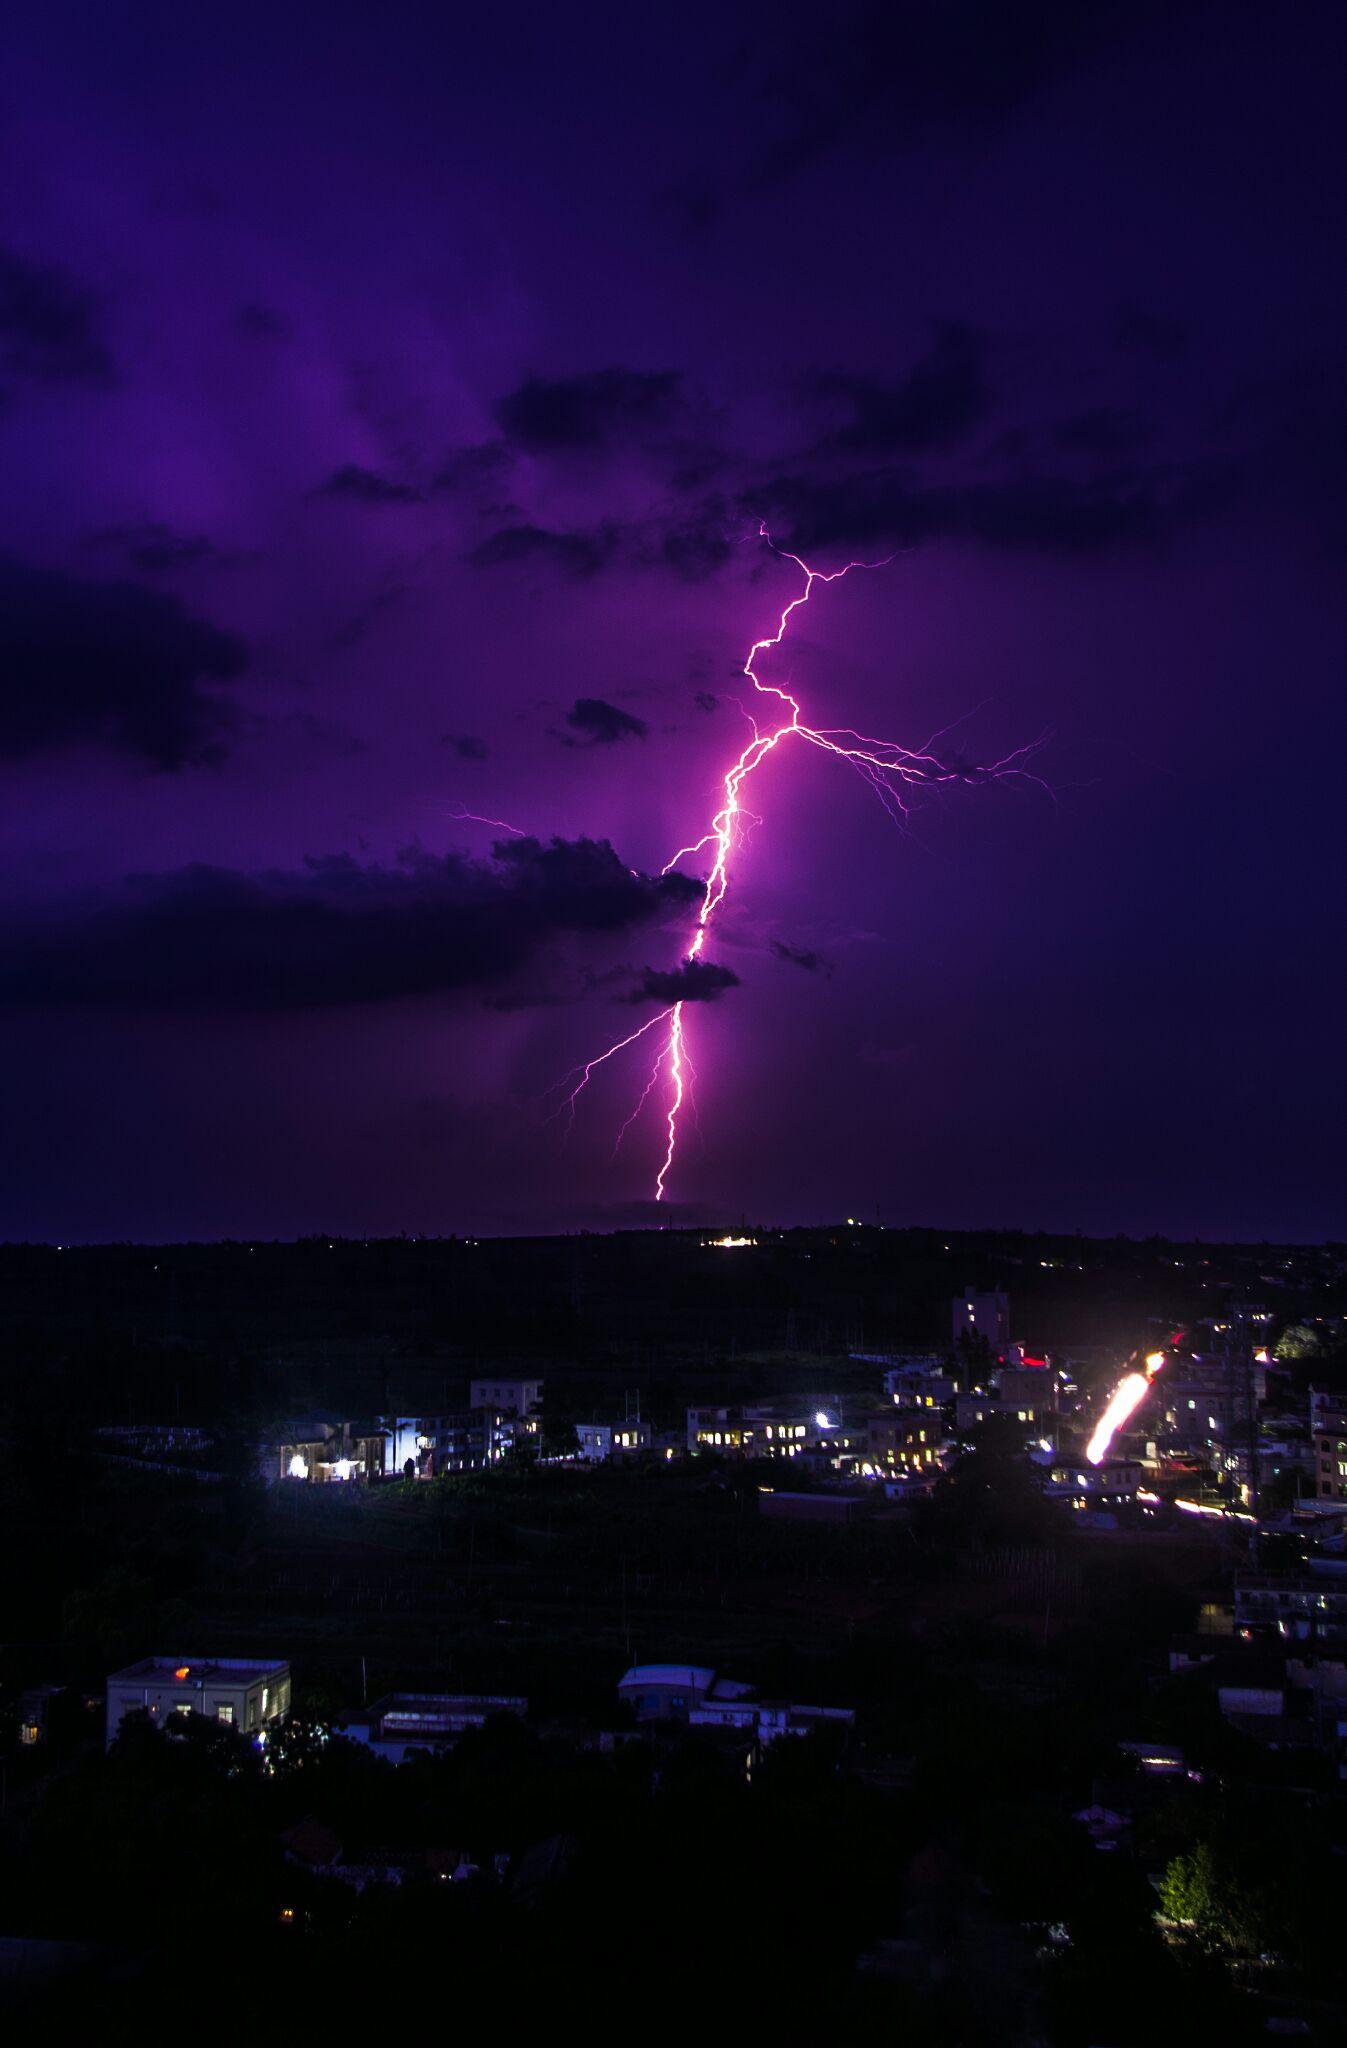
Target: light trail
(1124, 1401)
(886, 766)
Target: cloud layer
(217, 940)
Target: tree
(1226, 1906)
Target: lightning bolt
(886, 766)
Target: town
(513, 1640)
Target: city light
(297, 1467)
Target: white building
(983, 1315)
(241, 1692)
(511, 1397)
(404, 1722)
(600, 1441)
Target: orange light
(183, 1671)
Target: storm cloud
(111, 665)
(221, 941)
(592, 722)
(693, 981)
(939, 400)
(597, 409)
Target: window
(224, 1711)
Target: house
(662, 1692)
(600, 1441)
(403, 1722)
(242, 1692)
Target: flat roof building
(242, 1692)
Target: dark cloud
(595, 723)
(157, 547)
(694, 981)
(802, 956)
(49, 326)
(109, 664)
(368, 486)
(466, 745)
(889, 72)
(215, 940)
(575, 554)
(1052, 514)
(706, 700)
(569, 415)
(941, 398)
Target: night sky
(389, 400)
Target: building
(920, 1383)
(600, 1441)
(664, 1692)
(470, 1440)
(1209, 1397)
(323, 1448)
(1109, 1485)
(1328, 1428)
(242, 1692)
(769, 1720)
(1304, 1606)
(402, 1722)
(985, 1316)
(1035, 1407)
(41, 1711)
(903, 1440)
(759, 1432)
(696, 1694)
(511, 1397)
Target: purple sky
(388, 401)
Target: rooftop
(189, 1671)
